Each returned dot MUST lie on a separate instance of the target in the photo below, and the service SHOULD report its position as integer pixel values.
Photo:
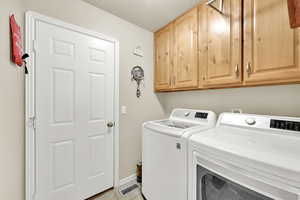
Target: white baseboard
(127, 180)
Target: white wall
(271, 100)
(11, 110)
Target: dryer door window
(211, 186)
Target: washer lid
(177, 124)
(183, 122)
(175, 128)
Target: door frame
(30, 46)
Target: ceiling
(148, 14)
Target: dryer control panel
(289, 124)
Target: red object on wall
(16, 37)
(294, 12)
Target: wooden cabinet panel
(186, 60)
(163, 58)
(203, 48)
(220, 43)
(271, 47)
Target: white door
(74, 102)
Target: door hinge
(178, 146)
(32, 122)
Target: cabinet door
(220, 42)
(163, 61)
(271, 47)
(186, 62)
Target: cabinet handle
(237, 71)
(248, 68)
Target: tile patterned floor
(115, 195)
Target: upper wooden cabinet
(205, 48)
(220, 45)
(271, 47)
(164, 42)
(185, 51)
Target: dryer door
(212, 186)
(214, 179)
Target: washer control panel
(194, 116)
(285, 125)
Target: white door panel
(74, 102)
(99, 55)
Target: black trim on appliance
(285, 125)
(201, 115)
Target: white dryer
(165, 153)
(246, 157)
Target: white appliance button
(187, 114)
(250, 121)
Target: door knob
(110, 124)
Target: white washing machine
(165, 153)
(246, 157)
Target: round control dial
(187, 114)
(250, 121)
